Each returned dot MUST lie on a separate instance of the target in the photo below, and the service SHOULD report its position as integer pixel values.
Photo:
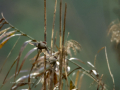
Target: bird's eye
(44, 42)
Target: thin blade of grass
(20, 53)
(14, 87)
(7, 34)
(3, 24)
(9, 53)
(32, 68)
(22, 71)
(95, 59)
(1, 19)
(73, 71)
(77, 76)
(5, 30)
(8, 73)
(6, 22)
(100, 79)
(109, 69)
(80, 82)
(31, 51)
(100, 49)
(96, 55)
(20, 82)
(47, 67)
(6, 39)
(76, 59)
(86, 72)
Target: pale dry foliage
(74, 45)
(49, 67)
(114, 30)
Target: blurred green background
(87, 21)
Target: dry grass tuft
(114, 30)
(50, 68)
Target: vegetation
(50, 66)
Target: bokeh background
(87, 22)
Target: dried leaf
(77, 76)
(100, 49)
(5, 30)
(9, 72)
(32, 68)
(3, 24)
(89, 63)
(77, 60)
(80, 82)
(22, 71)
(7, 34)
(1, 20)
(71, 85)
(20, 81)
(31, 51)
(9, 54)
(21, 50)
(14, 87)
(6, 39)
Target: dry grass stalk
(9, 54)
(60, 48)
(100, 81)
(45, 17)
(47, 66)
(77, 76)
(80, 82)
(63, 47)
(109, 69)
(96, 55)
(53, 25)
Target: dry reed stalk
(63, 38)
(109, 69)
(52, 49)
(53, 26)
(60, 49)
(45, 41)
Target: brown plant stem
(60, 45)
(53, 26)
(45, 41)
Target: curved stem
(17, 29)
